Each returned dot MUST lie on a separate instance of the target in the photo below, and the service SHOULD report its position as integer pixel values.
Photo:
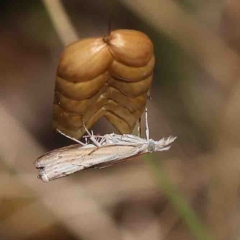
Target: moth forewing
(74, 158)
(62, 154)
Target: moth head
(151, 146)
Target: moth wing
(107, 154)
(65, 161)
(63, 154)
(57, 163)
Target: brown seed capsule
(108, 76)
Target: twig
(61, 22)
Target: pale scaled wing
(64, 161)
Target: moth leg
(86, 139)
(146, 123)
(74, 139)
(103, 140)
(107, 139)
(139, 127)
(99, 139)
(91, 136)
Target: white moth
(104, 151)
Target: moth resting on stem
(104, 151)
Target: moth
(103, 151)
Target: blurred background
(189, 192)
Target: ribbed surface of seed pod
(108, 76)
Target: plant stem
(192, 220)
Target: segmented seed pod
(107, 76)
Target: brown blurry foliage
(123, 202)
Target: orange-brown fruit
(108, 76)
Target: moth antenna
(74, 139)
(146, 123)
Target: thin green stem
(192, 220)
